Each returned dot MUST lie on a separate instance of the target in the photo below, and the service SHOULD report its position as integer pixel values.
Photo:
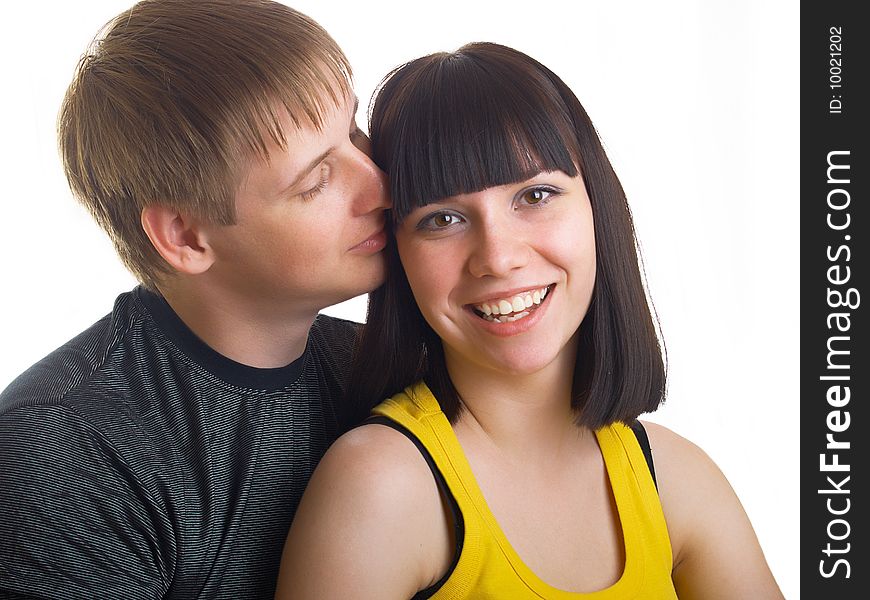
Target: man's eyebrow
(307, 169)
(317, 160)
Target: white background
(697, 104)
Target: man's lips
(374, 243)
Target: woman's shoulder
(382, 461)
(382, 473)
(372, 509)
(692, 488)
(686, 475)
(672, 450)
(716, 552)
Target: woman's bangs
(471, 128)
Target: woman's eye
(536, 196)
(444, 220)
(439, 221)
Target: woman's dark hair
(483, 116)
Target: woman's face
(505, 275)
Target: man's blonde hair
(175, 97)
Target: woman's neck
(526, 414)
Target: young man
(162, 452)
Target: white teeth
(509, 319)
(516, 304)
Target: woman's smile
(511, 307)
(512, 314)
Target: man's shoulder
(331, 346)
(61, 420)
(334, 336)
(74, 365)
(336, 326)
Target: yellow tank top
(488, 567)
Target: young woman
(512, 465)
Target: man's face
(309, 228)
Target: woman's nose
(498, 249)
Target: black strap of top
(643, 440)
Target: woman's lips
(513, 322)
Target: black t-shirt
(136, 462)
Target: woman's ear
(178, 238)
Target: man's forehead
(304, 146)
(335, 113)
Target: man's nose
(373, 190)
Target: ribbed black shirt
(136, 462)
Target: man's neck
(250, 334)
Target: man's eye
(321, 185)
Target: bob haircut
(483, 116)
(175, 97)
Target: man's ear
(178, 238)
